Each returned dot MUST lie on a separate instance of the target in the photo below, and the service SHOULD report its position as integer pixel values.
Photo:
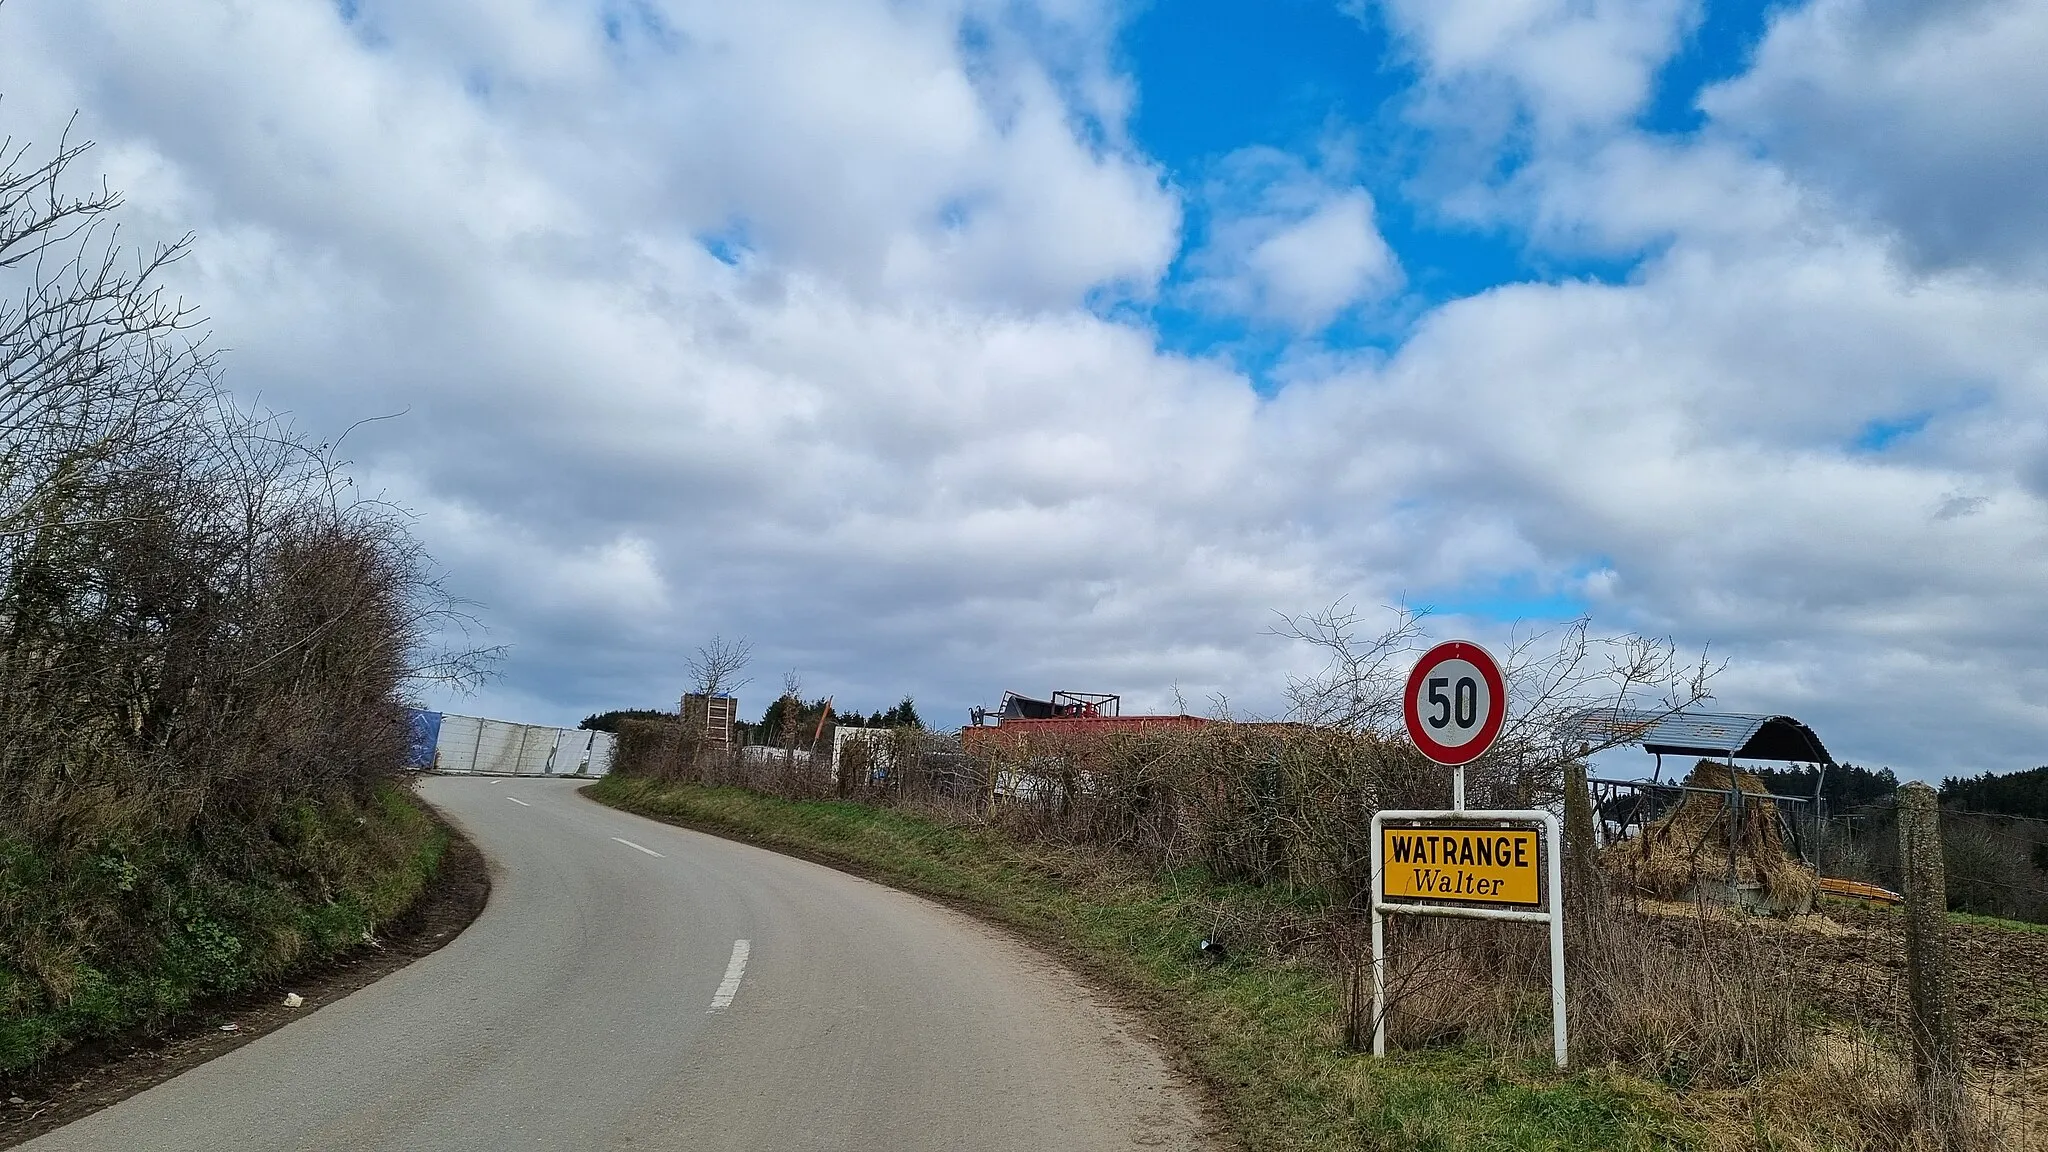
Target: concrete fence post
(1582, 864)
(1927, 970)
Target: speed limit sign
(1455, 702)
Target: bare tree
(1553, 677)
(716, 667)
(206, 632)
(1556, 676)
(792, 708)
(1359, 688)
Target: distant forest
(609, 721)
(1849, 786)
(793, 712)
(1844, 786)
(2012, 794)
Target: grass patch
(1970, 918)
(132, 934)
(1260, 1028)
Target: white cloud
(1692, 433)
(1516, 101)
(1566, 65)
(1930, 117)
(893, 446)
(1310, 270)
(1290, 243)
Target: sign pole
(1379, 960)
(1559, 1041)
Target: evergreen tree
(1844, 786)
(2011, 794)
(609, 721)
(903, 715)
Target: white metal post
(1458, 788)
(1379, 956)
(1559, 1040)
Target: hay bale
(1691, 846)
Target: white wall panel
(456, 750)
(602, 747)
(471, 744)
(497, 750)
(536, 749)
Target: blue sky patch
(729, 245)
(1309, 78)
(1719, 48)
(1879, 435)
(1520, 598)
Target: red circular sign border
(1496, 687)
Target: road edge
(104, 1073)
(1151, 1006)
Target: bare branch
(716, 667)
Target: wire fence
(1996, 865)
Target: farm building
(1719, 833)
(1062, 722)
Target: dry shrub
(1267, 804)
(1715, 1005)
(206, 641)
(1469, 983)
(1707, 1005)
(1689, 1003)
(651, 748)
(1852, 1093)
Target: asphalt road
(604, 1001)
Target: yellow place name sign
(1466, 865)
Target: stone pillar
(1582, 866)
(1929, 1015)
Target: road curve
(578, 1013)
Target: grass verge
(130, 934)
(1260, 1028)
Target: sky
(944, 347)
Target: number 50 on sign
(1455, 702)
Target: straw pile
(1692, 844)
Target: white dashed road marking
(730, 986)
(638, 848)
(518, 801)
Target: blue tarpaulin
(426, 736)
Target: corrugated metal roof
(1704, 734)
